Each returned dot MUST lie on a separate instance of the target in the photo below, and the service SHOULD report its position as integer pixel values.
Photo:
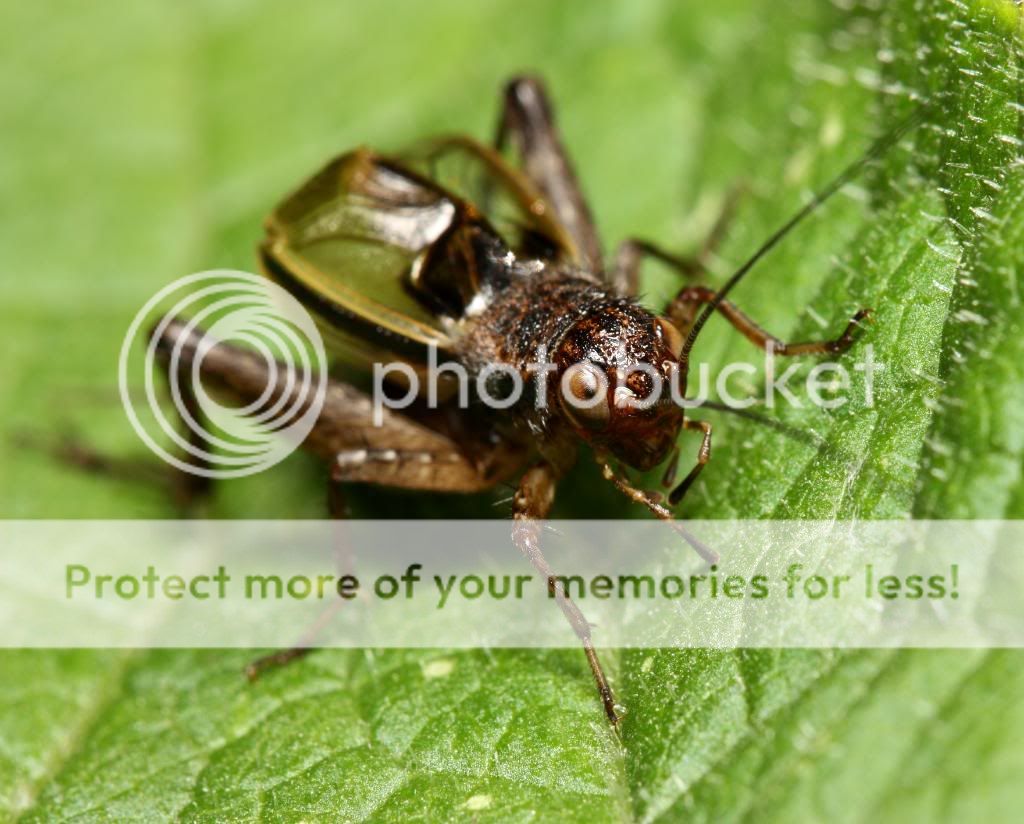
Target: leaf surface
(143, 142)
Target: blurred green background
(145, 141)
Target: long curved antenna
(790, 431)
(882, 145)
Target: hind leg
(359, 443)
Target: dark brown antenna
(796, 433)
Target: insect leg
(398, 452)
(427, 460)
(69, 449)
(653, 502)
(186, 488)
(527, 122)
(629, 257)
(361, 442)
(189, 486)
(682, 311)
(703, 456)
(338, 510)
(530, 505)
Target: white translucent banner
(467, 584)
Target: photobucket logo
(585, 386)
(226, 307)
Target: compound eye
(671, 335)
(585, 395)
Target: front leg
(530, 505)
(682, 311)
(703, 456)
(653, 500)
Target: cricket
(488, 254)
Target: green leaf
(143, 142)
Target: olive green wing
(347, 243)
(388, 253)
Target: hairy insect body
(547, 324)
